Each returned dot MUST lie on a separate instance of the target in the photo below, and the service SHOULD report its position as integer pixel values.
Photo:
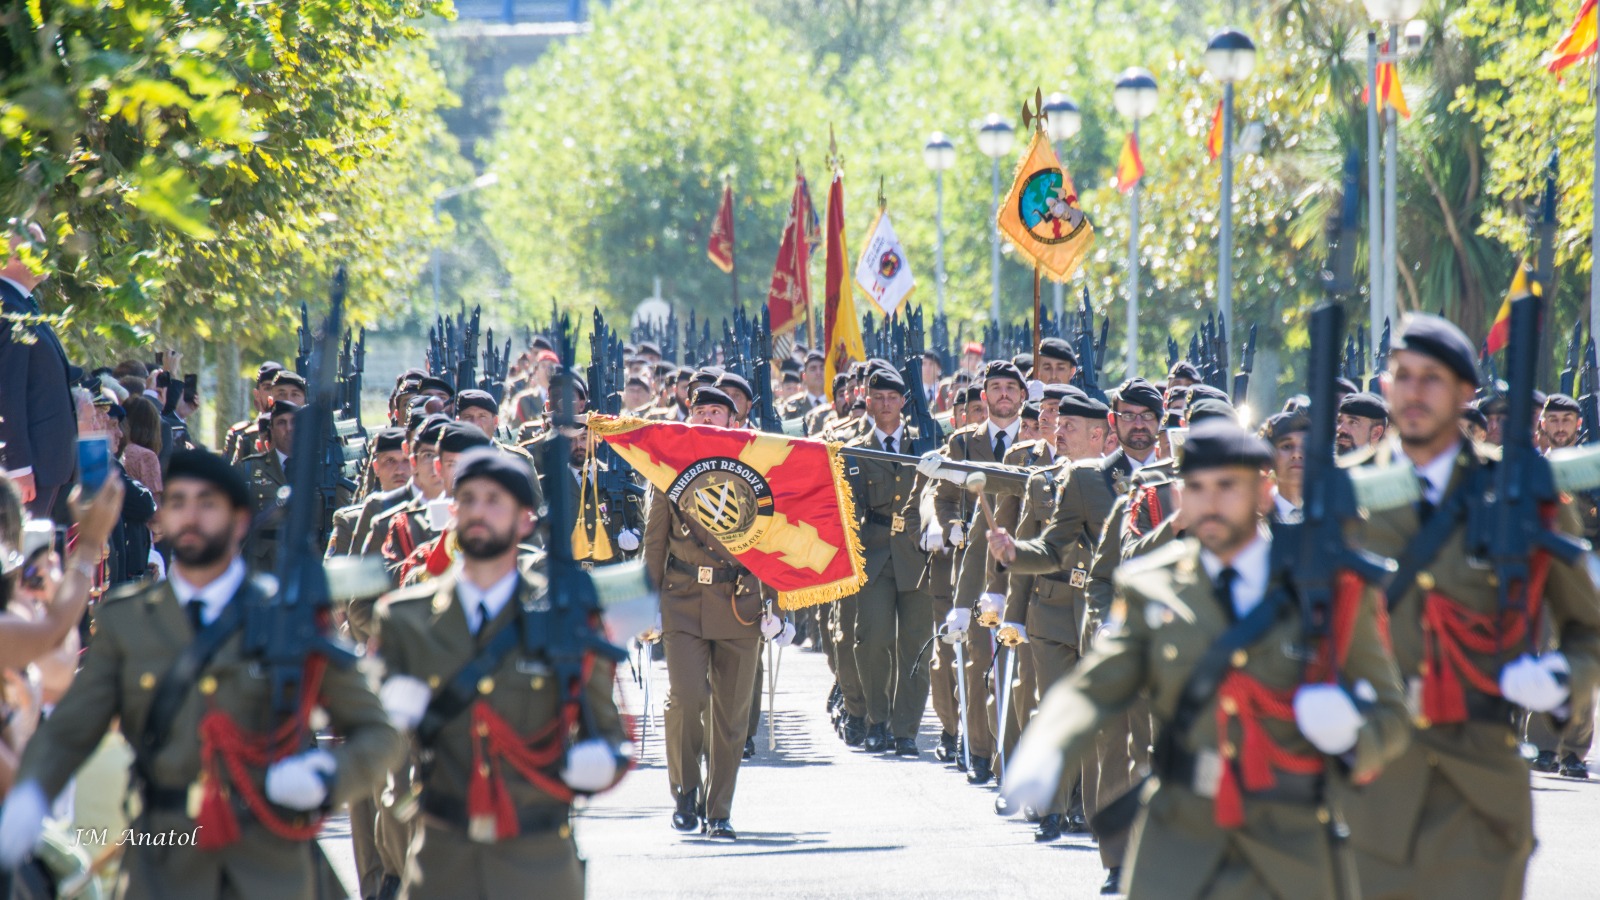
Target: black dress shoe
(389, 888)
(720, 829)
(1545, 762)
(854, 730)
(946, 751)
(1002, 806)
(687, 815)
(877, 738)
(981, 773)
(1049, 828)
(961, 756)
(1113, 883)
(749, 747)
(1075, 824)
(835, 697)
(1573, 767)
(906, 747)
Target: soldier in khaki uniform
(893, 614)
(392, 467)
(240, 440)
(812, 396)
(820, 416)
(1243, 806)
(1453, 817)
(710, 623)
(471, 624)
(265, 474)
(140, 634)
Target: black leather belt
(166, 799)
(533, 820)
(1493, 710)
(1063, 577)
(878, 518)
(704, 574)
(1291, 787)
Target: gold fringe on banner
(838, 590)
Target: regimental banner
(780, 505)
(883, 272)
(1040, 214)
(841, 325)
(1580, 40)
(789, 297)
(719, 249)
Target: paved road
(818, 820)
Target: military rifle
(1569, 372)
(929, 435)
(1380, 361)
(1172, 353)
(1088, 376)
(302, 356)
(1589, 403)
(763, 413)
(1247, 365)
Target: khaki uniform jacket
(1048, 605)
(797, 406)
(1481, 758)
(720, 611)
(371, 508)
(1165, 617)
(886, 492)
(818, 419)
(1084, 501)
(974, 568)
(1129, 520)
(423, 633)
(139, 632)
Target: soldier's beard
(211, 549)
(484, 543)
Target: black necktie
(196, 609)
(888, 443)
(1000, 445)
(1225, 582)
(483, 616)
(1425, 507)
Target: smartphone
(191, 383)
(94, 461)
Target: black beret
(412, 374)
(934, 357)
(1433, 336)
(1561, 403)
(1183, 369)
(1001, 368)
(432, 428)
(816, 356)
(203, 465)
(459, 438)
(1281, 425)
(708, 375)
(1058, 391)
(283, 408)
(637, 380)
(388, 439)
(736, 381)
(1345, 386)
(1539, 397)
(969, 394)
(1497, 405)
(885, 380)
(268, 370)
(650, 347)
(561, 379)
(1030, 410)
(540, 342)
(706, 395)
(840, 380)
(1173, 419)
(1204, 392)
(789, 364)
(511, 474)
(476, 399)
(1475, 416)
(287, 376)
(877, 363)
(1366, 405)
(435, 383)
(1139, 392)
(1208, 408)
(790, 377)
(664, 370)
(1217, 443)
(1079, 404)
(1023, 361)
(1057, 348)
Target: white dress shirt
(1010, 430)
(1138, 464)
(214, 596)
(493, 598)
(1251, 563)
(1287, 512)
(899, 436)
(1437, 473)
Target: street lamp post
(1135, 99)
(995, 139)
(1062, 121)
(1230, 57)
(940, 155)
(1393, 13)
(487, 179)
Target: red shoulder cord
(1450, 631)
(1244, 699)
(224, 745)
(1146, 497)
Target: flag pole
(1376, 306)
(1036, 312)
(1594, 237)
(733, 243)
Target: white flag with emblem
(883, 271)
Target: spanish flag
(1040, 215)
(1579, 41)
(1389, 91)
(841, 326)
(779, 505)
(1500, 330)
(1130, 167)
(1214, 136)
(719, 249)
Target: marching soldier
(240, 440)
(812, 396)
(1363, 421)
(1250, 771)
(392, 466)
(265, 473)
(1286, 432)
(821, 415)
(487, 710)
(427, 485)
(167, 659)
(710, 615)
(892, 613)
(1453, 816)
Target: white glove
(21, 823)
(1531, 683)
(1035, 390)
(954, 476)
(990, 605)
(591, 766)
(1032, 772)
(301, 781)
(956, 623)
(1327, 717)
(1011, 634)
(405, 699)
(771, 626)
(928, 465)
(628, 539)
(932, 539)
(958, 534)
(786, 637)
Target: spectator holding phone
(141, 449)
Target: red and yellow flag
(1040, 213)
(1500, 329)
(1214, 136)
(779, 505)
(720, 248)
(1130, 166)
(1390, 93)
(789, 297)
(1580, 40)
(841, 326)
